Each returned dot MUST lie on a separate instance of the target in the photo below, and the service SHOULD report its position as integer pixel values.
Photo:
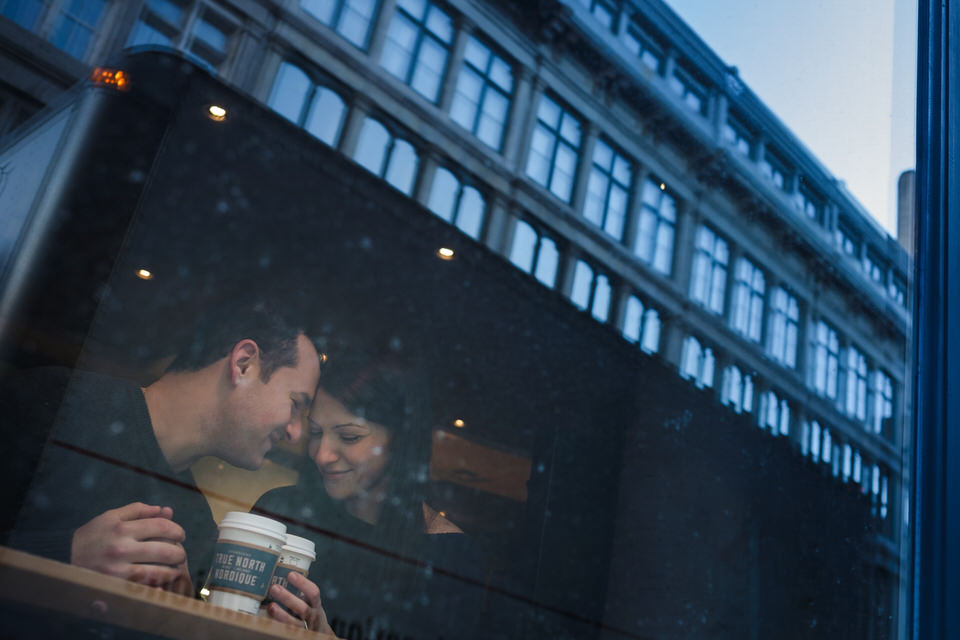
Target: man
(113, 492)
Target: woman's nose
(326, 453)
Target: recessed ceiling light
(144, 274)
(217, 112)
(445, 253)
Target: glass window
(709, 275)
(481, 101)
(737, 135)
(417, 46)
(75, 25)
(655, 231)
(873, 266)
(605, 11)
(591, 291)
(642, 45)
(641, 324)
(608, 189)
(461, 206)
(164, 22)
(691, 92)
(395, 160)
(881, 405)
(736, 390)
(855, 383)
(782, 327)
(774, 168)
(697, 363)
(774, 414)
(350, 18)
(535, 253)
(898, 290)
(824, 361)
(811, 205)
(846, 240)
(552, 161)
(25, 13)
(316, 108)
(746, 313)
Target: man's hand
(308, 609)
(138, 542)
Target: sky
(841, 75)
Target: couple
(112, 489)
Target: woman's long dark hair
(388, 389)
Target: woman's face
(350, 452)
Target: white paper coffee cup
(244, 558)
(297, 555)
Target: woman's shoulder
(435, 522)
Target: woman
(362, 501)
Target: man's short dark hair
(222, 325)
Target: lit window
(481, 101)
(691, 92)
(603, 10)
(417, 46)
(883, 496)
(855, 382)
(316, 108)
(641, 325)
(697, 363)
(881, 404)
(642, 45)
(824, 363)
(461, 206)
(591, 291)
(552, 162)
(736, 134)
(826, 451)
(774, 168)
(658, 215)
(607, 190)
(393, 159)
(746, 313)
(535, 253)
(709, 277)
(812, 440)
(164, 22)
(782, 327)
(75, 24)
(774, 414)
(25, 13)
(350, 18)
(736, 390)
(847, 468)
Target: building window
(709, 277)
(872, 266)
(417, 46)
(736, 134)
(553, 150)
(536, 253)
(810, 440)
(826, 449)
(884, 483)
(697, 363)
(591, 291)
(898, 290)
(823, 364)
(881, 405)
(481, 101)
(393, 159)
(608, 190)
(641, 325)
(774, 414)
(26, 13)
(736, 390)
(316, 108)
(774, 168)
(691, 92)
(847, 466)
(604, 11)
(846, 241)
(642, 45)
(203, 34)
(655, 231)
(855, 401)
(350, 18)
(782, 327)
(811, 205)
(746, 313)
(75, 24)
(461, 206)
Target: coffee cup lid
(255, 524)
(302, 546)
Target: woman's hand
(307, 609)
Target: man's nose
(294, 428)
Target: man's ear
(244, 361)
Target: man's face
(261, 414)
